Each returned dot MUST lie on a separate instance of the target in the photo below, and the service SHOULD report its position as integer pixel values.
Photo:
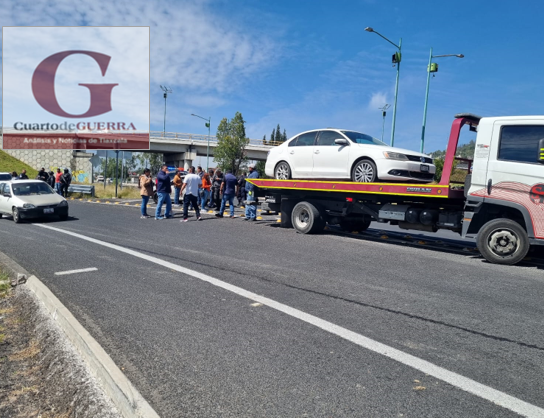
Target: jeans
(57, 188)
(143, 209)
(164, 198)
(193, 200)
(176, 195)
(204, 199)
(251, 210)
(230, 198)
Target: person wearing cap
(51, 180)
(251, 204)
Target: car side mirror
(7, 194)
(341, 141)
(541, 151)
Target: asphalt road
(196, 348)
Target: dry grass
(127, 192)
(28, 352)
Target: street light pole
(383, 109)
(396, 60)
(166, 91)
(431, 69)
(208, 124)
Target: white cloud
(377, 100)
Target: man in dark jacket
(251, 204)
(51, 180)
(217, 180)
(241, 195)
(163, 191)
(23, 175)
(42, 175)
(65, 181)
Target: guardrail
(80, 188)
(204, 138)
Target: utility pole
(166, 90)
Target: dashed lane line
(464, 383)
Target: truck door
(514, 172)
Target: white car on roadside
(5, 176)
(343, 154)
(30, 199)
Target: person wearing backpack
(65, 181)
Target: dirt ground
(41, 374)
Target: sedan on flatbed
(29, 199)
(341, 154)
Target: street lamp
(431, 68)
(383, 109)
(208, 124)
(396, 60)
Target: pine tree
(264, 140)
(273, 136)
(284, 136)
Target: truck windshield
(360, 138)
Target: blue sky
(310, 64)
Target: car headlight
(63, 203)
(29, 206)
(395, 156)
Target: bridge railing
(204, 138)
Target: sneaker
(184, 220)
(160, 218)
(169, 216)
(219, 215)
(245, 219)
(231, 216)
(199, 218)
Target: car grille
(421, 176)
(418, 159)
(47, 206)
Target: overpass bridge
(180, 149)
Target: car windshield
(360, 138)
(28, 189)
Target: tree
(259, 167)
(284, 136)
(264, 140)
(151, 160)
(273, 136)
(231, 143)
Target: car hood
(394, 149)
(42, 200)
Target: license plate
(49, 210)
(424, 168)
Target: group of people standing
(206, 190)
(59, 181)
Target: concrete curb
(116, 385)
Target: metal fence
(204, 138)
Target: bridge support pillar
(187, 164)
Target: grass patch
(9, 164)
(28, 352)
(5, 285)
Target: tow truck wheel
(282, 171)
(503, 241)
(307, 219)
(364, 172)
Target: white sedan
(346, 155)
(26, 199)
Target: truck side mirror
(541, 151)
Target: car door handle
(489, 186)
(316, 151)
(292, 152)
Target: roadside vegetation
(9, 164)
(127, 192)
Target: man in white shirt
(191, 184)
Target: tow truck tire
(364, 171)
(282, 171)
(307, 219)
(16, 216)
(503, 241)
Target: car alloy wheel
(283, 171)
(364, 172)
(16, 216)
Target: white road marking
(63, 273)
(464, 383)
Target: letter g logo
(43, 85)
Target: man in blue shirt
(228, 187)
(251, 204)
(163, 191)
